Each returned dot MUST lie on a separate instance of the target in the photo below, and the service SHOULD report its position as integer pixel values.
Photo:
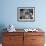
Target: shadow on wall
(2, 26)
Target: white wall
(9, 13)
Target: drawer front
(12, 39)
(37, 44)
(8, 44)
(13, 33)
(37, 39)
(34, 33)
(12, 44)
(34, 41)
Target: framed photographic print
(26, 14)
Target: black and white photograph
(26, 14)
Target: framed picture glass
(26, 14)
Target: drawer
(37, 44)
(21, 44)
(12, 39)
(8, 44)
(34, 33)
(13, 33)
(8, 39)
(34, 39)
(16, 41)
(37, 39)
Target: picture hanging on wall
(26, 14)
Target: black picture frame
(26, 14)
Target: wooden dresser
(23, 39)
